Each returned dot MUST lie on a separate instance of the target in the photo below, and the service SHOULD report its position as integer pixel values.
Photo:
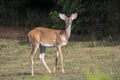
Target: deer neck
(68, 31)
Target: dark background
(96, 18)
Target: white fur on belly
(46, 45)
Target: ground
(83, 60)
(11, 32)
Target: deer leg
(41, 56)
(34, 49)
(61, 58)
(56, 60)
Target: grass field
(78, 57)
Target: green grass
(96, 74)
(78, 56)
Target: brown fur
(46, 35)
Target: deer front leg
(56, 60)
(61, 58)
(41, 56)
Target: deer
(43, 38)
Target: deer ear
(73, 16)
(62, 16)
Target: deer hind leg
(41, 56)
(61, 58)
(34, 49)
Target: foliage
(99, 18)
(10, 13)
(17, 13)
(35, 18)
(68, 7)
(95, 17)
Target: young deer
(44, 37)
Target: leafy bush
(99, 18)
(96, 17)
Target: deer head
(68, 20)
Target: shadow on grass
(18, 74)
